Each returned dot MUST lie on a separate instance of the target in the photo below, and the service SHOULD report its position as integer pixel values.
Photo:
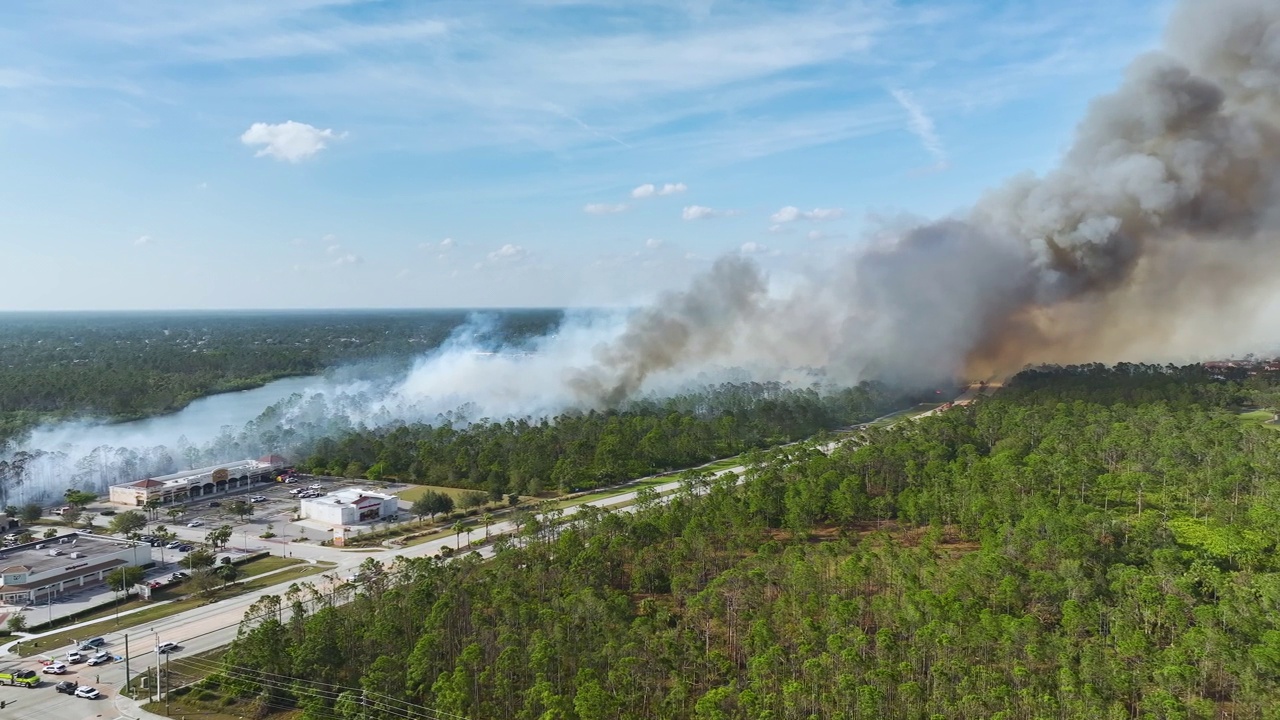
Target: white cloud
(603, 208)
(446, 243)
(507, 253)
(333, 249)
(702, 212)
(143, 240)
(921, 125)
(753, 248)
(791, 213)
(653, 243)
(347, 259)
(649, 190)
(289, 141)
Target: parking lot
(277, 510)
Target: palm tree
(488, 520)
(153, 507)
(458, 529)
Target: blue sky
(330, 153)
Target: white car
(100, 657)
(195, 523)
(295, 491)
(315, 486)
(84, 691)
(258, 498)
(165, 648)
(75, 656)
(54, 668)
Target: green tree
(459, 528)
(79, 498)
(431, 503)
(198, 558)
(488, 520)
(152, 507)
(219, 536)
(241, 509)
(123, 578)
(228, 573)
(32, 512)
(127, 522)
(376, 472)
(204, 580)
(16, 623)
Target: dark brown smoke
(1157, 230)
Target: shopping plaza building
(33, 572)
(192, 484)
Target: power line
(247, 673)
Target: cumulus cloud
(921, 125)
(507, 253)
(702, 212)
(347, 259)
(446, 243)
(143, 240)
(288, 141)
(603, 208)
(650, 190)
(791, 213)
(753, 248)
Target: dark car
(94, 643)
(66, 686)
(180, 576)
(215, 503)
(186, 548)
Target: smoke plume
(1153, 240)
(1160, 218)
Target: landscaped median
(258, 573)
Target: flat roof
(93, 547)
(349, 496)
(234, 469)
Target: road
(214, 625)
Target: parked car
(147, 538)
(75, 656)
(215, 503)
(165, 648)
(258, 498)
(295, 491)
(174, 545)
(315, 486)
(100, 658)
(88, 693)
(179, 576)
(186, 548)
(93, 643)
(54, 668)
(195, 523)
(66, 686)
(291, 480)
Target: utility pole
(168, 691)
(126, 662)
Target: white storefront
(349, 507)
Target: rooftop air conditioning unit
(77, 555)
(40, 547)
(54, 552)
(64, 540)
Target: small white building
(348, 507)
(37, 570)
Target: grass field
(417, 491)
(60, 642)
(651, 482)
(1265, 418)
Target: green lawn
(417, 491)
(632, 487)
(60, 642)
(1260, 417)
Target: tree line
(576, 450)
(1088, 543)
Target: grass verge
(417, 491)
(60, 642)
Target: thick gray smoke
(1154, 240)
(1161, 217)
